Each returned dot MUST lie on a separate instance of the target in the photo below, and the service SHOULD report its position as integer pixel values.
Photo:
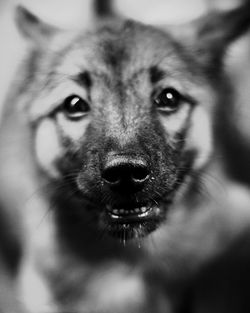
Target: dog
(112, 172)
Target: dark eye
(168, 100)
(75, 107)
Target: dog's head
(123, 114)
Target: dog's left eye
(75, 107)
(168, 100)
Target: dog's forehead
(134, 40)
(140, 46)
(127, 46)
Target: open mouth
(129, 215)
(128, 222)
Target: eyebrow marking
(84, 79)
(156, 74)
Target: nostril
(140, 174)
(111, 175)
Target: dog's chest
(52, 280)
(112, 287)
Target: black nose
(125, 173)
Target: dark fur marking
(114, 53)
(156, 74)
(84, 79)
(10, 248)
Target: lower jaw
(126, 227)
(125, 232)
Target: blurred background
(79, 13)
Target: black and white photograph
(125, 156)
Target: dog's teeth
(118, 211)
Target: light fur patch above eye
(47, 146)
(200, 136)
(72, 130)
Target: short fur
(71, 257)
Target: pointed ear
(32, 28)
(210, 36)
(218, 30)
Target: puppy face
(127, 117)
(123, 117)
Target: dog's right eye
(75, 107)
